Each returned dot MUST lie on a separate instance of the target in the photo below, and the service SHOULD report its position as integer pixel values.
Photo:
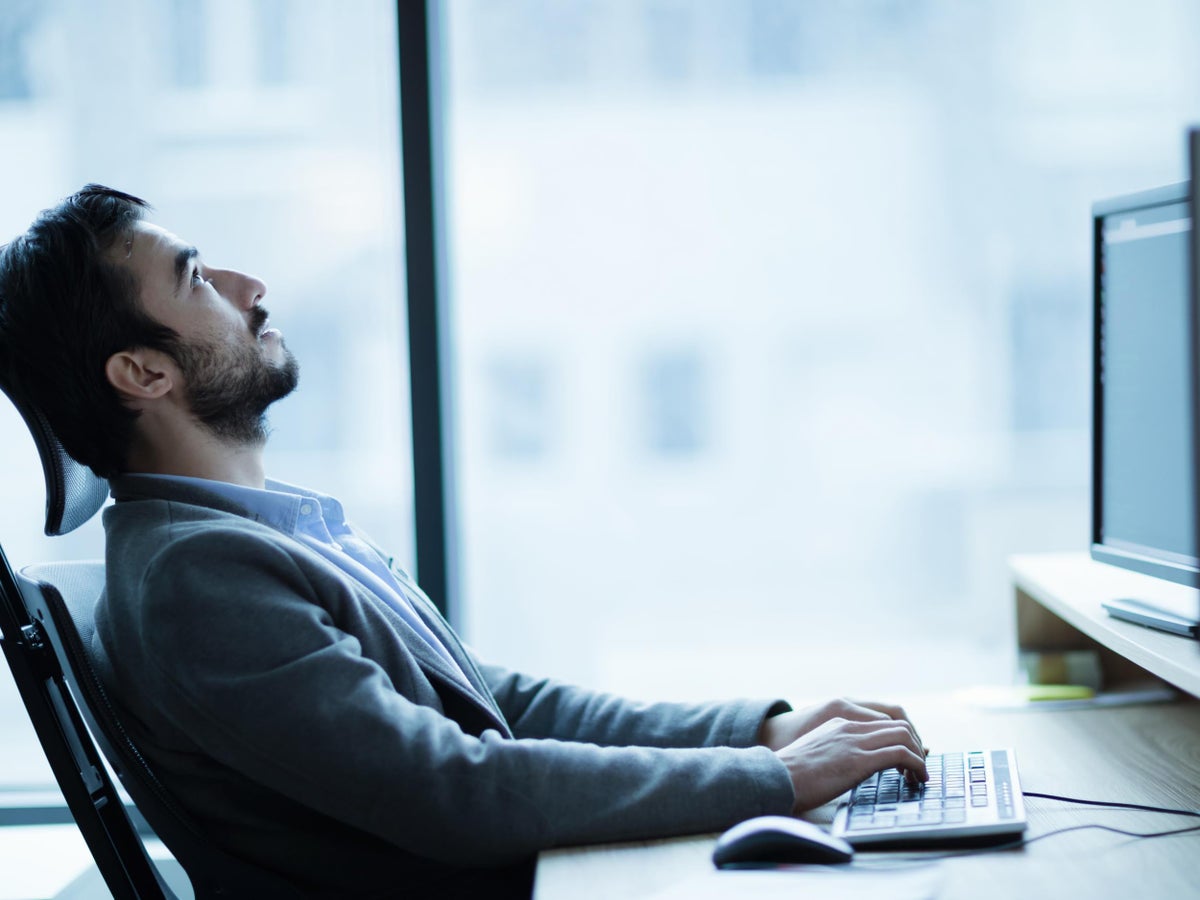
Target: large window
(266, 133)
(772, 323)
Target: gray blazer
(311, 731)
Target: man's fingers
(888, 709)
(891, 710)
(898, 757)
(912, 740)
(893, 739)
(854, 711)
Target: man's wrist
(768, 730)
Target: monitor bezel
(1125, 557)
(1193, 156)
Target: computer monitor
(1193, 151)
(1144, 447)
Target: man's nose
(244, 290)
(255, 289)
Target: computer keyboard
(973, 793)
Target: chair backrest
(62, 598)
(46, 625)
(73, 492)
(90, 794)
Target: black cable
(908, 861)
(1114, 805)
(1024, 842)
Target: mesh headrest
(73, 492)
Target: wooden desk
(1147, 754)
(1058, 599)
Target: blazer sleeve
(251, 666)
(544, 708)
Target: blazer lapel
(436, 623)
(434, 662)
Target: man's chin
(289, 370)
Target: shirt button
(305, 509)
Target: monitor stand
(1151, 616)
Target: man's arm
(252, 667)
(544, 708)
(827, 748)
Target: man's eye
(197, 278)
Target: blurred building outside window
(817, 277)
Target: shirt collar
(282, 506)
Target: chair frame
(28, 642)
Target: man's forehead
(147, 238)
(153, 253)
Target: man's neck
(201, 454)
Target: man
(294, 691)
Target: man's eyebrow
(182, 258)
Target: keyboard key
(954, 816)
(979, 801)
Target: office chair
(46, 632)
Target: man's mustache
(258, 318)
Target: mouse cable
(903, 861)
(1113, 804)
(899, 862)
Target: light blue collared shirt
(318, 521)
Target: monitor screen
(1144, 477)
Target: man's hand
(830, 748)
(779, 731)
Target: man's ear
(140, 374)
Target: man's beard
(230, 388)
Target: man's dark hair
(65, 307)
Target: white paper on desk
(811, 883)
